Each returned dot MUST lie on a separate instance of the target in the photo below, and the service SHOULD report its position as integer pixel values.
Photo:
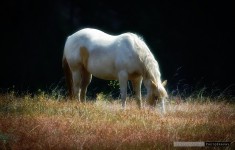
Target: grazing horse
(111, 57)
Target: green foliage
(114, 84)
(103, 97)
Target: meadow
(45, 121)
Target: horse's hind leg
(77, 78)
(136, 84)
(86, 79)
(68, 77)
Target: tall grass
(47, 122)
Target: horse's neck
(152, 74)
(151, 68)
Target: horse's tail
(68, 77)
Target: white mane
(151, 65)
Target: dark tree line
(193, 41)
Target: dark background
(193, 41)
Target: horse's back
(89, 38)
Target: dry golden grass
(42, 122)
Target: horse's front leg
(136, 84)
(163, 106)
(123, 78)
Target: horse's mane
(151, 69)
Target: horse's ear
(164, 83)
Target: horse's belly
(105, 71)
(109, 71)
(105, 65)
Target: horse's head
(158, 92)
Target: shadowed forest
(192, 41)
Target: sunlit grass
(46, 122)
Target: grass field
(46, 122)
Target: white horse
(121, 57)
